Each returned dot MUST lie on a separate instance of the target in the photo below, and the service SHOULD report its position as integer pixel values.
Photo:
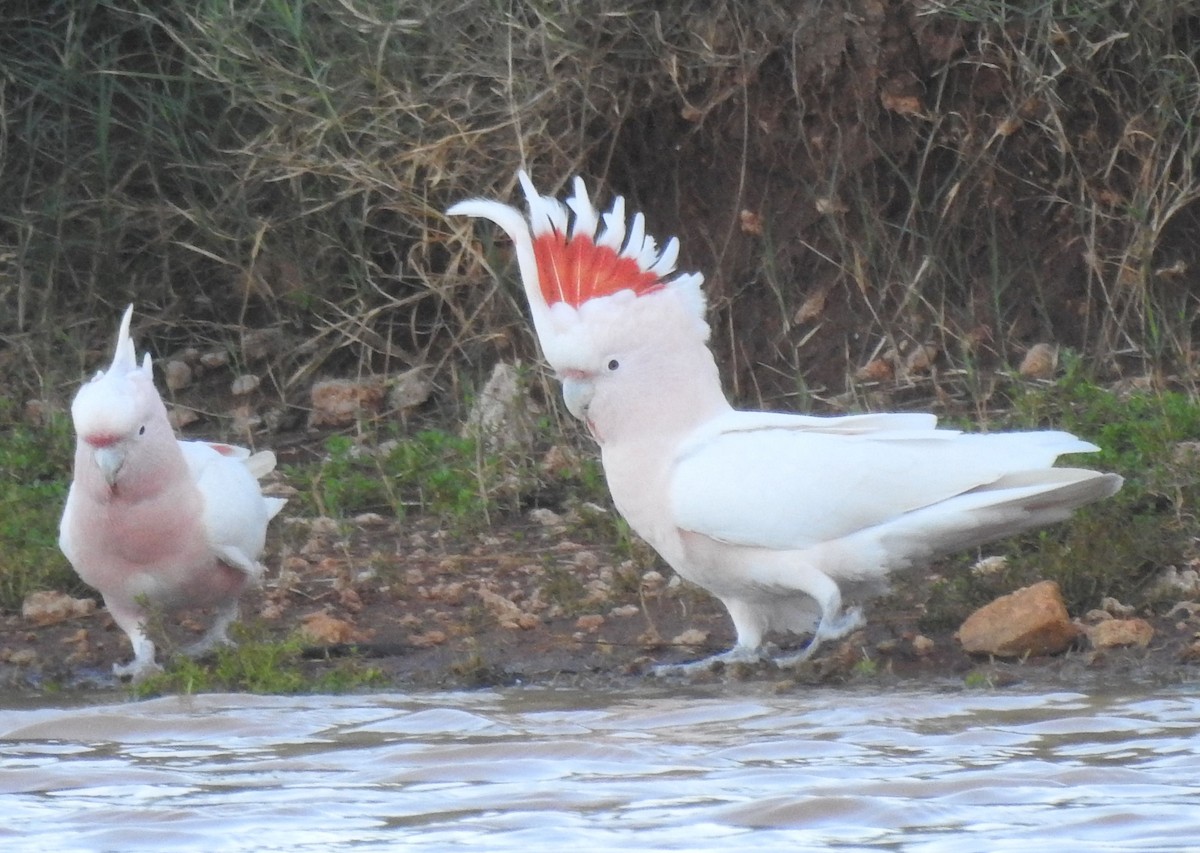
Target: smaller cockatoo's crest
(116, 399)
(585, 271)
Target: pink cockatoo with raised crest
(157, 523)
(773, 513)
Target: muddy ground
(536, 600)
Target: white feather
(793, 488)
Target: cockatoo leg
(749, 649)
(143, 664)
(835, 623)
(218, 634)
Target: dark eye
(613, 364)
(142, 431)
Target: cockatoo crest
(115, 402)
(586, 273)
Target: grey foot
(738, 654)
(831, 629)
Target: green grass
(35, 463)
(1117, 547)
(259, 664)
(433, 472)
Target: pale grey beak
(577, 394)
(109, 460)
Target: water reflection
(719, 768)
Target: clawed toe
(736, 655)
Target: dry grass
(975, 175)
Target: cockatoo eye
(613, 364)
(142, 430)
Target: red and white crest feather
(578, 264)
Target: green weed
(1117, 547)
(259, 664)
(34, 476)
(433, 472)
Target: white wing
(235, 512)
(789, 481)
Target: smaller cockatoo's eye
(613, 364)
(142, 431)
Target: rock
(214, 359)
(1112, 633)
(691, 637)
(178, 375)
(182, 417)
(876, 370)
(653, 581)
(1039, 362)
(500, 418)
(1116, 608)
(1030, 621)
(1174, 581)
(244, 384)
(590, 622)
(545, 517)
(49, 608)
(922, 646)
(338, 402)
(921, 359)
(322, 628)
(427, 639)
(260, 344)
(989, 566)
(409, 390)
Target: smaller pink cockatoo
(772, 513)
(152, 522)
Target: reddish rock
(1030, 621)
(1112, 633)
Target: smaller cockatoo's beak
(577, 392)
(109, 460)
(109, 456)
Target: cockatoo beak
(577, 394)
(109, 460)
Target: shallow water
(728, 767)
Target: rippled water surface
(721, 768)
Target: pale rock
(501, 417)
(21, 657)
(1115, 607)
(49, 608)
(182, 417)
(989, 566)
(652, 581)
(214, 359)
(1039, 362)
(244, 384)
(1114, 633)
(691, 637)
(922, 646)
(545, 517)
(260, 344)
(1030, 621)
(409, 390)
(177, 374)
(1178, 581)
